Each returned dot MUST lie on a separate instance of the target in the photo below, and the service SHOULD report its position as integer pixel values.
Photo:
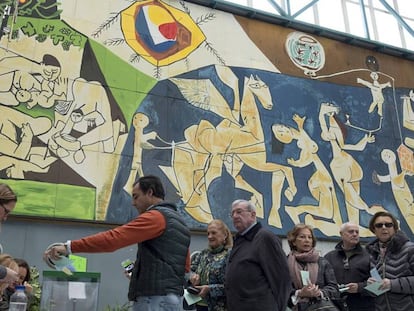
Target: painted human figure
(408, 117)
(400, 188)
(90, 115)
(17, 153)
(320, 184)
(139, 121)
(24, 81)
(376, 91)
(236, 141)
(346, 170)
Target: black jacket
(398, 266)
(356, 271)
(325, 280)
(257, 274)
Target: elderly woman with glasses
(312, 275)
(8, 201)
(393, 255)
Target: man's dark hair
(151, 182)
(50, 60)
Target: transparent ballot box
(76, 292)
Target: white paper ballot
(190, 298)
(77, 290)
(375, 274)
(375, 288)
(305, 277)
(343, 289)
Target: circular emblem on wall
(160, 33)
(305, 52)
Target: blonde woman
(211, 267)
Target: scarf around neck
(303, 261)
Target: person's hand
(11, 277)
(371, 280)
(204, 290)
(310, 290)
(128, 275)
(352, 288)
(195, 279)
(56, 251)
(28, 288)
(385, 284)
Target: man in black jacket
(257, 275)
(351, 264)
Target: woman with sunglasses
(392, 253)
(8, 201)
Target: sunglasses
(385, 224)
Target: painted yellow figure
(320, 184)
(17, 154)
(408, 117)
(23, 81)
(376, 91)
(399, 186)
(346, 170)
(139, 121)
(231, 144)
(89, 115)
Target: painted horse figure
(236, 141)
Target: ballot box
(76, 292)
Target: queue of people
(259, 277)
(249, 271)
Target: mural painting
(89, 103)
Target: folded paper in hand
(375, 288)
(190, 298)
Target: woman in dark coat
(393, 255)
(321, 282)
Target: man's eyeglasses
(6, 211)
(382, 225)
(238, 212)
